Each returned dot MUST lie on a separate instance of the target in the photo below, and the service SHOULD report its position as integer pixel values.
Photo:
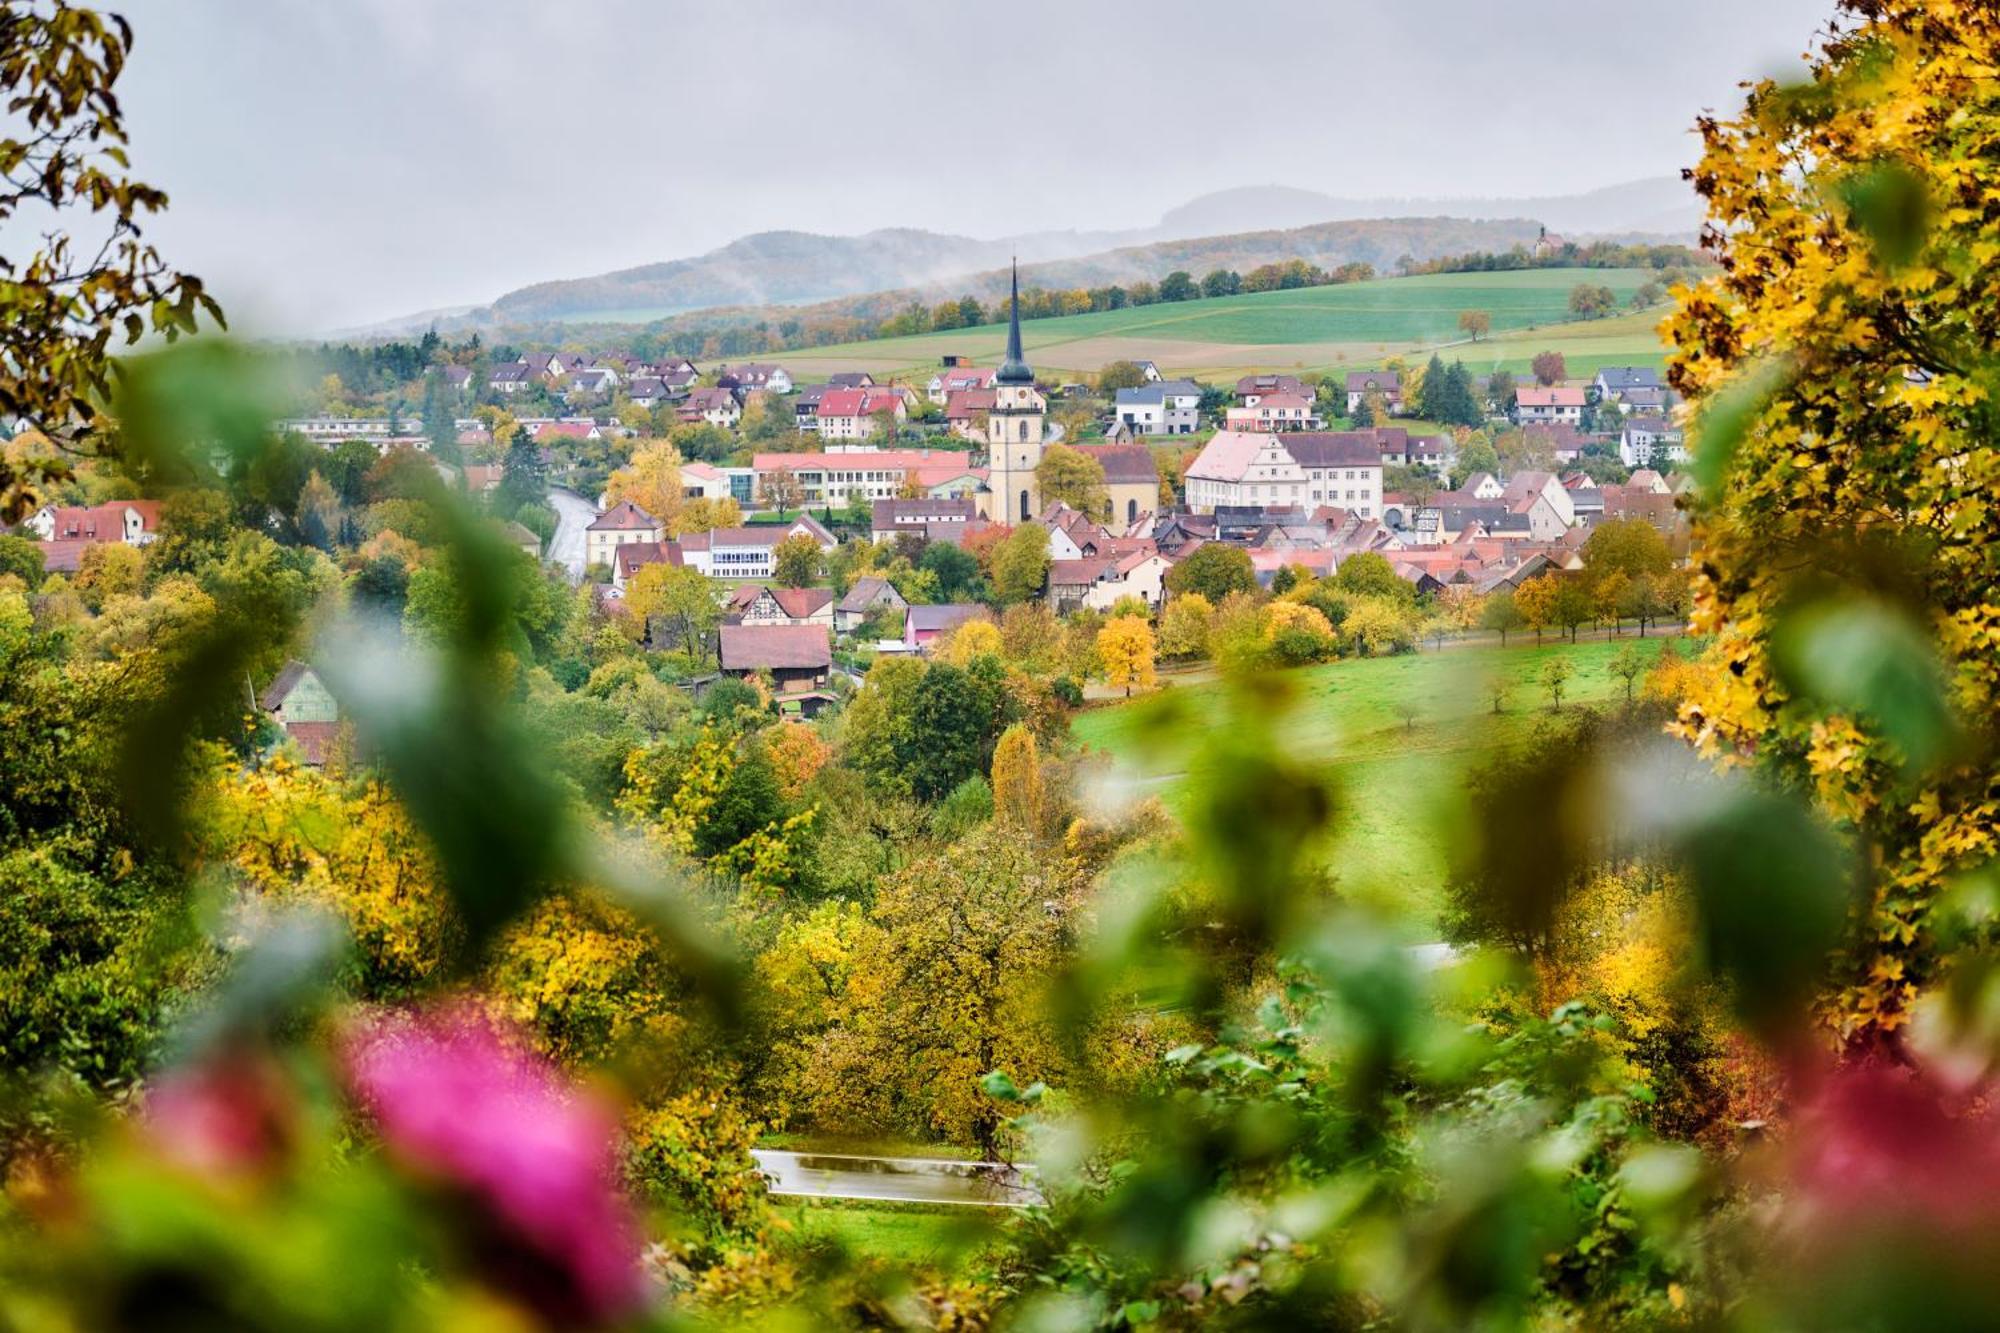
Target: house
(797, 659)
(1614, 382)
(456, 378)
(866, 594)
(1535, 404)
(567, 430)
(510, 377)
(647, 391)
(894, 518)
(1385, 384)
(299, 702)
(129, 522)
(1646, 441)
(1150, 371)
(1169, 407)
(1253, 389)
(956, 379)
(923, 624)
(1250, 468)
(592, 379)
(782, 606)
(1528, 483)
(1586, 497)
(1131, 479)
(622, 523)
(1647, 506)
(715, 407)
(966, 411)
(1273, 412)
(832, 477)
(1101, 582)
(858, 414)
(1565, 442)
(628, 558)
(1483, 486)
(754, 377)
(851, 379)
(747, 552)
(522, 539)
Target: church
(1016, 432)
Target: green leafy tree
(1213, 571)
(1021, 564)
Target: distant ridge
(1234, 228)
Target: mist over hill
(1234, 228)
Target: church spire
(1014, 370)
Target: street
(573, 515)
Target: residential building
(628, 558)
(866, 594)
(851, 379)
(1251, 389)
(894, 518)
(510, 377)
(128, 522)
(1168, 407)
(1274, 412)
(1385, 384)
(1100, 582)
(833, 476)
(797, 659)
(922, 625)
(747, 552)
(299, 702)
(957, 379)
(332, 430)
(716, 407)
(782, 606)
(1647, 441)
(858, 414)
(1250, 468)
(1614, 382)
(754, 377)
(622, 523)
(1535, 404)
(965, 413)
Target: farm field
(1319, 328)
(1398, 776)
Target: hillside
(1316, 328)
(886, 270)
(1653, 207)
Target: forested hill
(886, 269)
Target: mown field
(1319, 328)
(1398, 772)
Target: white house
(1535, 404)
(746, 552)
(1647, 441)
(1169, 407)
(1251, 468)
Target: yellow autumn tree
(974, 638)
(651, 479)
(1840, 367)
(1125, 648)
(1184, 627)
(1017, 780)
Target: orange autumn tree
(1842, 373)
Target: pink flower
(226, 1116)
(456, 1103)
(1877, 1146)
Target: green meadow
(1397, 734)
(1322, 328)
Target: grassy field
(1318, 328)
(1398, 774)
(943, 1239)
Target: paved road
(902, 1179)
(573, 515)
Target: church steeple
(1014, 370)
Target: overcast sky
(333, 162)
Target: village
(1151, 479)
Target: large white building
(1338, 468)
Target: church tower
(1014, 430)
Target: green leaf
(1874, 661)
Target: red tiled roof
(623, 517)
(757, 647)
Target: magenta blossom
(222, 1117)
(458, 1104)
